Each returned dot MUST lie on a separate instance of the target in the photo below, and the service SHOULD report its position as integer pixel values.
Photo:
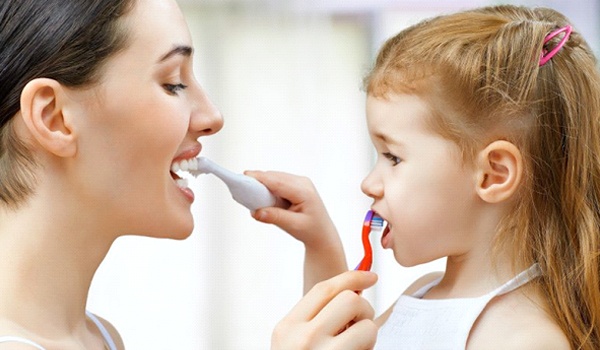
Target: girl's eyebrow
(388, 139)
(381, 136)
(183, 50)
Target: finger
(323, 292)
(287, 219)
(360, 336)
(346, 308)
(284, 185)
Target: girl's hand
(332, 315)
(307, 220)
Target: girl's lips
(386, 238)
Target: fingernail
(260, 215)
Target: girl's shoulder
(519, 320)
(422, 281)
(414, 287)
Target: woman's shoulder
(520, 321)
(25, 340)
(15, 337)
(112, 331)
(13, 345)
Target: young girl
(487, 129)
(97, 101)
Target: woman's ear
(499, 173)
(42, 102)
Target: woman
(97, 100)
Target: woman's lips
(182, 184)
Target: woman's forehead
(155, 27)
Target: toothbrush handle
(244, 189)
(252, 194)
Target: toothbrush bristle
(377, 221)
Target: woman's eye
(174, 88)
(395, 160)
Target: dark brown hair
(64, 40)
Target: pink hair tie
(547, 55)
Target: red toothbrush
(372, 222)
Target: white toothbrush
(246, 190)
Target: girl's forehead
(397, 116)
(409, 109)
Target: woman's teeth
(185, 165)
(182, 183)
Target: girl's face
(147, 112)
(419, 183)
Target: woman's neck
(49, 257)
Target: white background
(287, 77)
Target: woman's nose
(206, 118)
(371, 186)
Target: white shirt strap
(8, 339)
(107, 338)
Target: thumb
(271, 215)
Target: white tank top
(439, 324)
(108, 341)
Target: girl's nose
(371, 186)
(206, 119)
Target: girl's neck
(472, 275)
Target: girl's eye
(174, 88)
(395, 160)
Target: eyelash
(395, 160)
(174, 88)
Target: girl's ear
(499, 171)
(42, 103)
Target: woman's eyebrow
(183, 50)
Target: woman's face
(146, 113)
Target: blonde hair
(480, 69)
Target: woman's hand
(307, 220)
(332, 315)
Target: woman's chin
(179, 230)
(181, 235)
(182, 231)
